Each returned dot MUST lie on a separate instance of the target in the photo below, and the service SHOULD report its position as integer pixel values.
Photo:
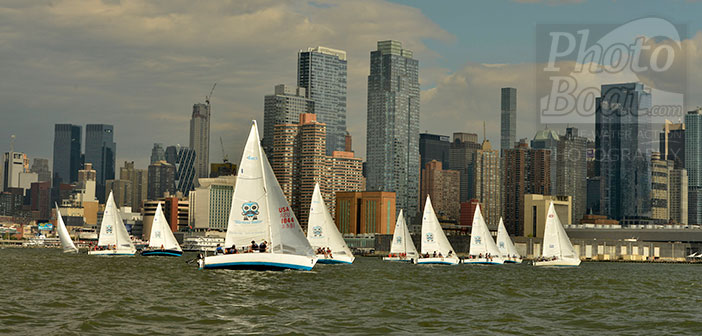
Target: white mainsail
(556, 242)
(401, 239)
(112, 230)
(433, 237)
(259, 209)
(161, 234)
(481, 242)
(504, 243)
(321, 230)
(66, 241)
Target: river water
(44, 292)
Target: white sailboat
(66, 241)
(483, 249)
(323, 234)
(261, 214)
(402, 247)
(162, 241)
(557, 249)
(114, 238)
(436, 248)
(507, 249)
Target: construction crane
(224, 155)
(207, 98)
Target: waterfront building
(210, 203)
(571, 171)
(161, 180)
(488, 183)
(693, 165)
(101, 151)
(461, 156)
(392, 146)
(67, 153)
(443, 188)
(624, 142)
(200, 138)
(360, 212)
(321, 71)
(672, 143)
(508, 118)
(536, 210)
(284, 106)
(526, 171)
(434, 147)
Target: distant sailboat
(504, 243)
(557, 249)
(483, 249)
(436, 248)
(322, 233)
(402, 247)
(162, 241)
(66, 241)
(259, 213)
(114, 238)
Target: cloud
(141, 65)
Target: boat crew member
(262, 247)
(254, 246)
(219, 250)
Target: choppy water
(45, 292)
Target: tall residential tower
(200, 138)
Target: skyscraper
(624, 143)
(284, 106)
(41, 168)
(660, 171)
(693, 164)
(184, 162)
(488, 183)
(672, 143)
(508, 118)
(158, 153)
(526, 172)
(442, 186)
(392, 146)
(139, 183)
(548, 139)
(571, 171)
(161, 180)
(322, 72)
(67, 157)
(200, 138)
(434, 147)
(461, 155)
(101, 150)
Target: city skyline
(147, 102)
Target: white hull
(484, 261)
(400, 259)
(70, 250)
(336, 260)
(442, 261)
(559, 263)
(113, 252)
(260, 261)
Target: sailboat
(402, 247)
(436, 248)
(483, 249)
(66, 241)
(261, 214)
(557, 249)
(114, 238)
(162, 241)
(507, 250)
(322, 233)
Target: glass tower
(321, 72)
(624, 142)
(67, 146)
(101, 150)
(392, 147)
(693, 164)
(508, 118)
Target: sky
(141, 65)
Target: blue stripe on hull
(162, 253)
(512, 262)
(482, 263)
(258, 266)
(332, 261)
(435, 262)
